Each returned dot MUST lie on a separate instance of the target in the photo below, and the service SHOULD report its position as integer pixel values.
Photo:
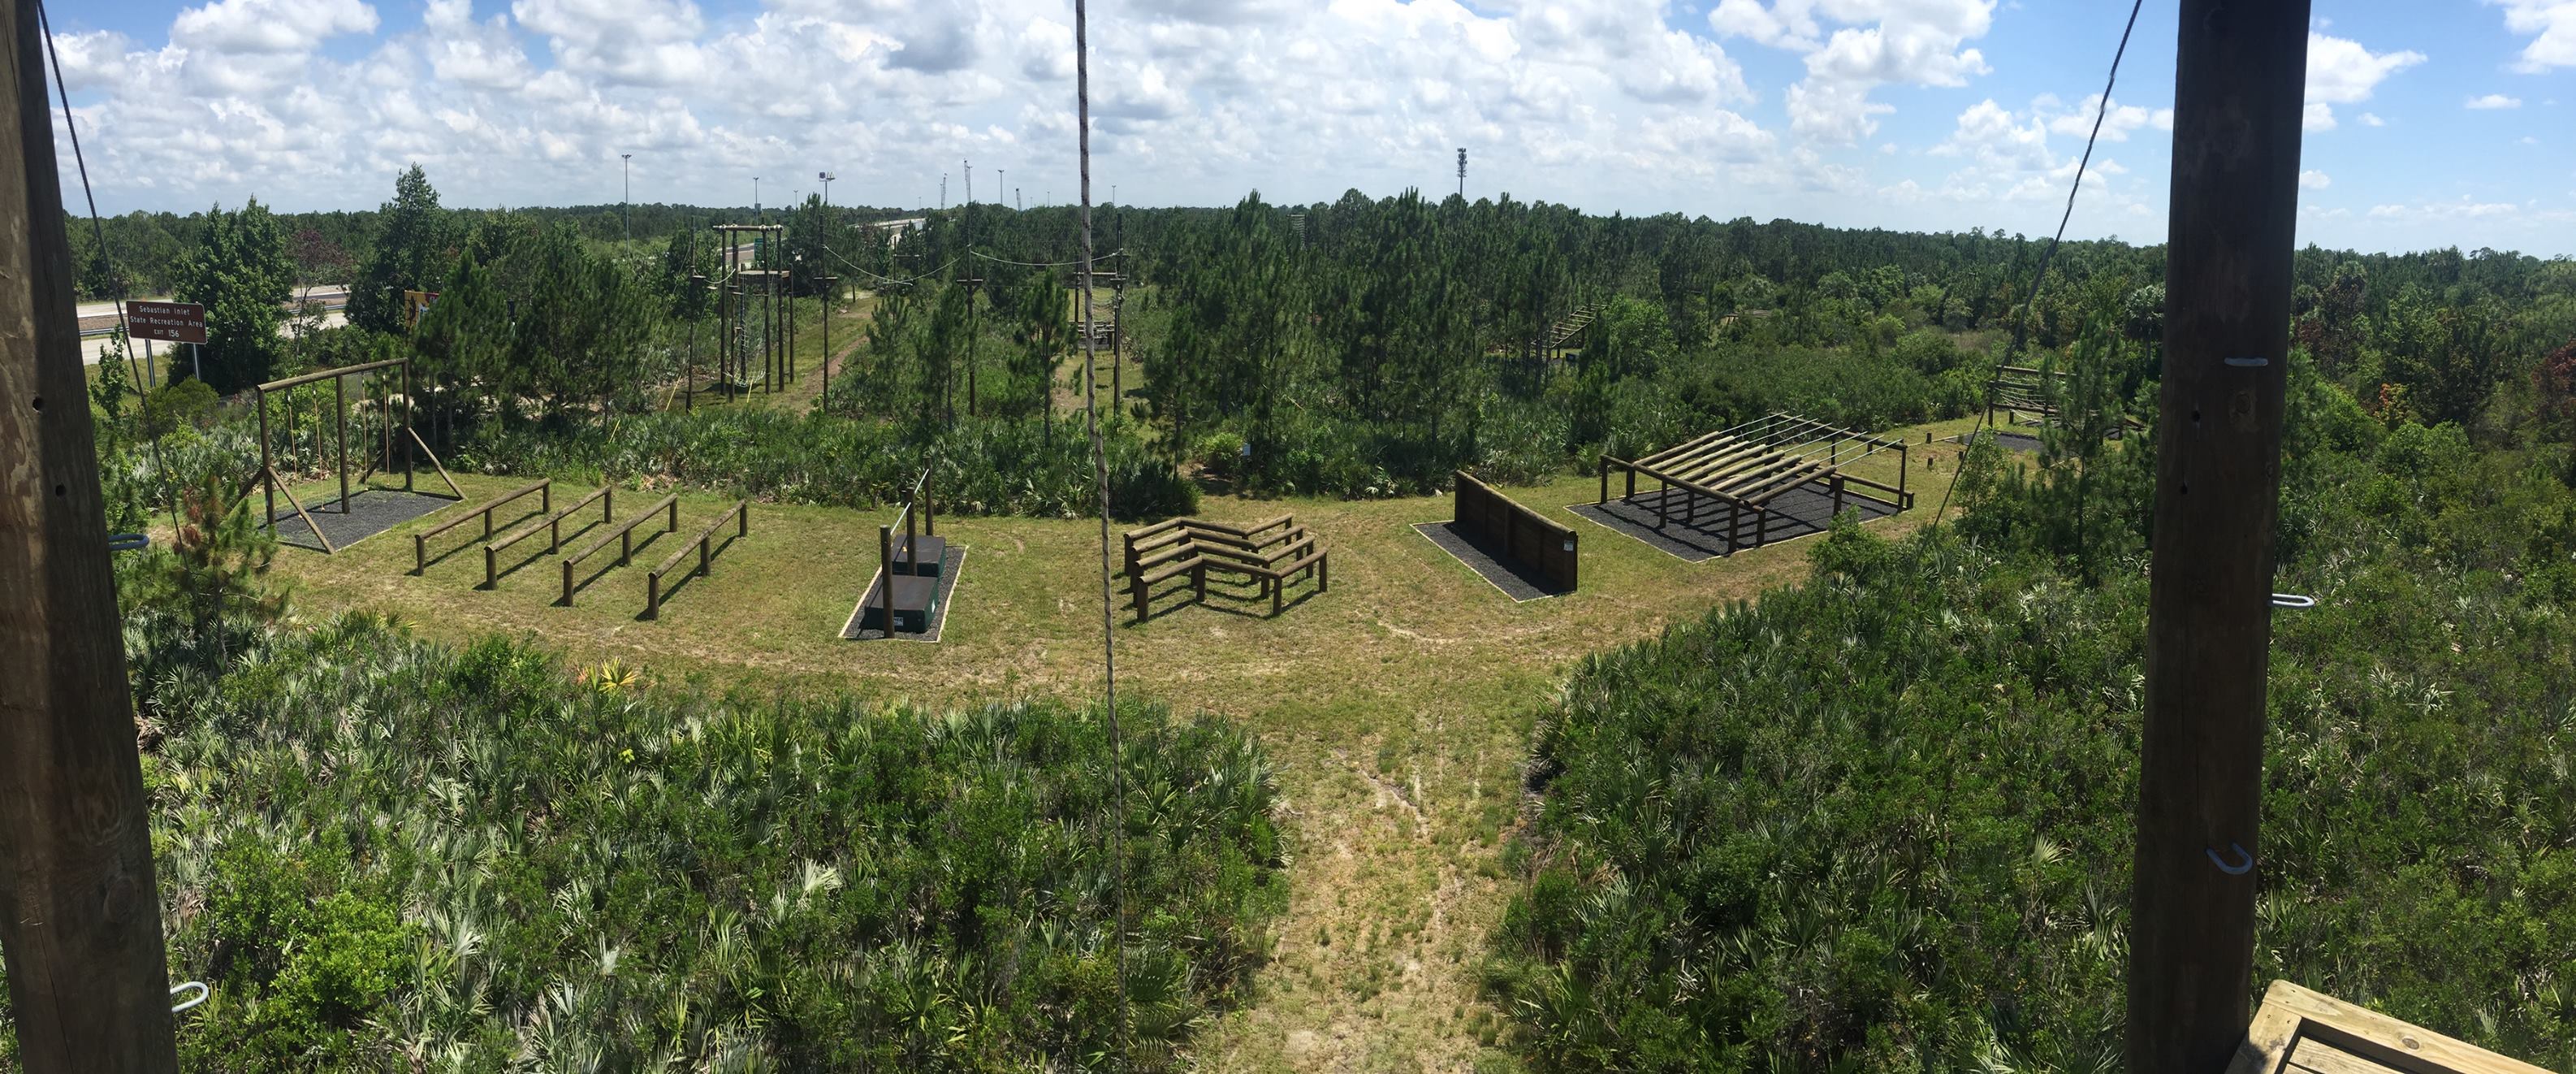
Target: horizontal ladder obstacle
(544, 488)
(625, 535)
(1270, 553)
(739, 514)
(605, 496)
(1747, 467)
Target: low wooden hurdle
(1748, 466)
(1524, 534)
(625, 535)
(1270, 553)
(544, 488)
(739, 514)
(605, 496)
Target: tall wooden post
(80, 911)
(2239, 75)
(340, 412)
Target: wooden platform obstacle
(1271, 554)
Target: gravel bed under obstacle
(371, 511)
(1799, 512)
(1486, 559)
(949, 568)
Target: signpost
(176, 322)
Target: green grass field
(1398, 704)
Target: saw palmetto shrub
(1884, 821)
(388, 854)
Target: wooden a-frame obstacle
(393, 382)
(1748, 467)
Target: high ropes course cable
(2021, 327)
(1048, 264)
(889, 280)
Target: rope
(1048, 264)
(99, 231)
(2021, 327)
(1100, 476)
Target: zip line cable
(1100, 476)
(98, 231)
(2021, 327)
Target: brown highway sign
(177, 322)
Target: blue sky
(2432, 123)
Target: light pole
(626, 202)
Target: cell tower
(1462, 171)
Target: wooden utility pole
(80, 912)
(2239, 73)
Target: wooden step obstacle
(1743, 470)
(1271, 554)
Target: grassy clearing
(1398, 704)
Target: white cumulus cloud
(2552, 26)
(2494, 101)
(2343, 71)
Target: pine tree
(411, 253)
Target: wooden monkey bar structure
(394, 383)
(1746, 467)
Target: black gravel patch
(371, 511)
(949, 569)
(2017, 441)
(1489, 561)
(1799, 512)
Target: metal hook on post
(203, 993)
(2293, 600)
(2244, 860)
